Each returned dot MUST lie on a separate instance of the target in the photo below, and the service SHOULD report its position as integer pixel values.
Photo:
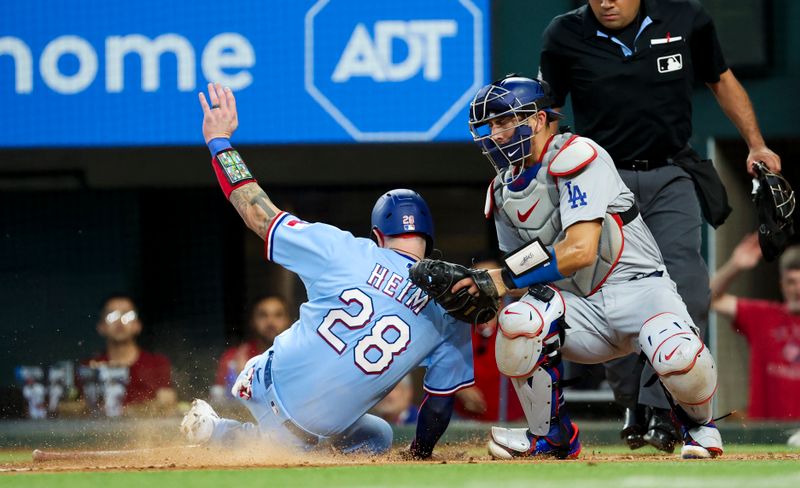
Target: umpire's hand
(220, 119)
(766, 156)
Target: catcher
(565, 218)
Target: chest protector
(534, 210)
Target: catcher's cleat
(661, 432)
(198, 423)
(634, 427)
(517, 443)
(701, 441)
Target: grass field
(751, 466)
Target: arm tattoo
(255, 208)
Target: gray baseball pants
(670, 208)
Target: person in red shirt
(269, 317)
(771, 328)
(127, 375)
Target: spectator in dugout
(269, 316)
(492, 398)
(147, 386)
(772, 330)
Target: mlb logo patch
(668, 64)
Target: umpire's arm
(220, 120)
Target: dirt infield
(193, 458)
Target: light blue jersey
(364, 327)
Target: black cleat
(633, 429)
(661, 432)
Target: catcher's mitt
(774, 199)
(436, 278)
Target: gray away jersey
(585, 195)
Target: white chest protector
(534, 211)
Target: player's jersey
(364, 327)
(589, 193)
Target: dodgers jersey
(364, 327)
(589, 193)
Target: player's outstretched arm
(220, 121)
(255, 208)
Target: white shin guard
(536, 397)
(528, 337)
(683, 363)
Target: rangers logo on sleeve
(297, 224)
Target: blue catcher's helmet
(402, 211)
(512, 96)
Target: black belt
(641, 164)
(629, 215)
(292, 427)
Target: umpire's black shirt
(634, 97)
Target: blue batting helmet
(402, 211)
(512, 96)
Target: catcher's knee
(681, 360)
(529, 330)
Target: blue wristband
(218, 144)
(544, 274)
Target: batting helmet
(402, 211)
(512, 96)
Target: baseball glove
(774, 199)
(436, 278)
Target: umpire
(629, 66)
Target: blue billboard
(110, 73)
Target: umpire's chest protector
(534, 212)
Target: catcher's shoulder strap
(573, 156)
(490, 205)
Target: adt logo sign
(394, 71)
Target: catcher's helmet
(515, 96)
(402, 211)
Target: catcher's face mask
(774, 199)
(778, 190)
(499, 125)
